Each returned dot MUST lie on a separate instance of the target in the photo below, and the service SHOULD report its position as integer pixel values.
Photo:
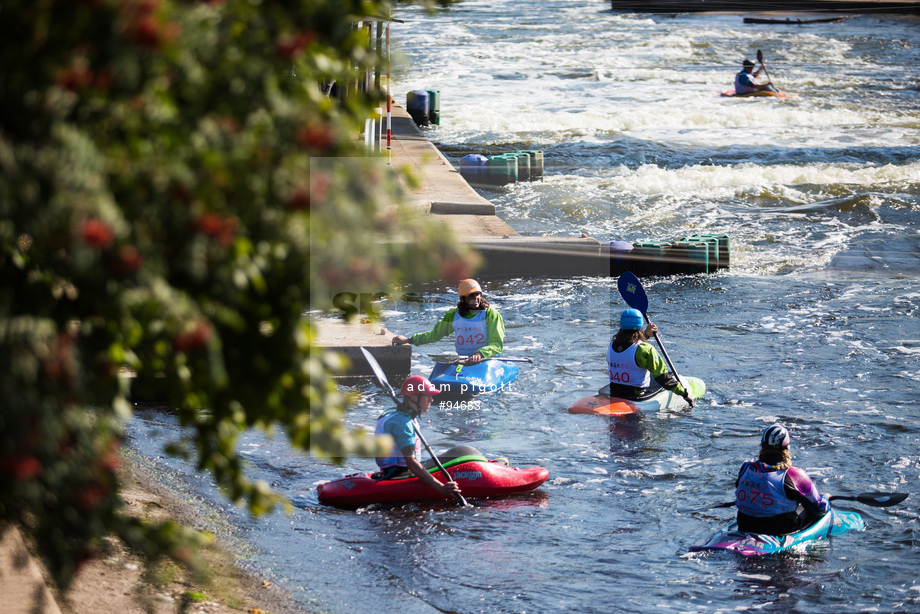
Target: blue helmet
(775, 436)
(632, 319)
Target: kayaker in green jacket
(633, 364)
(479, 330)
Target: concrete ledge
(348, 337)
(445, 208)
(775, 6)
(538, 256)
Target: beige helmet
(468, 286)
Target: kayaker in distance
(400, 424)
(772, 496)
(632, 363)
(479, 329)
(744, 80)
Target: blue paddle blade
(632, 292)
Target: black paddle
(873, 499)
(764, 66)
(382, 381)
(634, 295)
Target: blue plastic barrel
(417, 104)
(473, 164)
(620, 262)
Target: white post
(389, 113)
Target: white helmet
(775, 436)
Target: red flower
(299, 199)
(76, 77)
(289, 46)
(97, 233)
(106, 369)
(110, 462)
(103, 80)
(454, 269)
(210, 224)
(126, 261)
(61, 365)
(90, 497)
(320, 183)
(147, 32)
(194, 338)
(221, 228)
(228, 124)
(22, 468)
(181, 193)
(316, 136)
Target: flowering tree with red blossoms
(175, 192)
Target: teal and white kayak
(755, 544)
(663, 400)
(467, 380)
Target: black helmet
(775, 436)
(747, 63)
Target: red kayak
(477, 477)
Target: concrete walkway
(21, 583)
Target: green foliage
(175, 192)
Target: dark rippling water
(815, 324)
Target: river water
(815, 324)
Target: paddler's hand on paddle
(449, 489)
(474, 359)
(688, 397)
(651, 330)
(400, 340)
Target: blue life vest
(395, 423)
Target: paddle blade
(378, 372)
(874, 499)
(759, 56)
(632, 292)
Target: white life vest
(622, 368)
(471, 334)
(744, 83)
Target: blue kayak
(483, 377)
(755, 544)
